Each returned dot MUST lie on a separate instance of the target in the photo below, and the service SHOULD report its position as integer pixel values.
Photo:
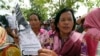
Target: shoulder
(76, 36)
(13, 50)
(44, 33)
(43, 30)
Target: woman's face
(34, 21)
(52, 24)
(66, 22)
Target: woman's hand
(16, 40)
(46, 52)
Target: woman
(52, 26)
(66, 42)
(7, 49)
(80, 22)
(35, 22)
(51, 33)
(92, 26)
(12, 37)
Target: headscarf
(92, 21)
(3, 36)
(92, 24)
(69, 47)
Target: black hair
(83, 21)
(28, 16)
(52, 19)
(59, 14)
(4, 21)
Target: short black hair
(4, 21)
(59, 14)
(28, 16)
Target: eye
(70, 19)
(62, 19)
(35, 19)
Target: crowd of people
(60, 38)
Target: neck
(36, 30)
(64, 36)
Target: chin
(67, 31)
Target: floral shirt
(84, 48)
(43, 36)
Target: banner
(29, 43)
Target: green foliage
(2, 1)
(89, 3)
(65, 3)
(92, 3)
(37, 6)
(40, 2)
(98, 3)
(3, 5)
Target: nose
(66, 22)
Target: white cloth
(9, 39)
(12, 21)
